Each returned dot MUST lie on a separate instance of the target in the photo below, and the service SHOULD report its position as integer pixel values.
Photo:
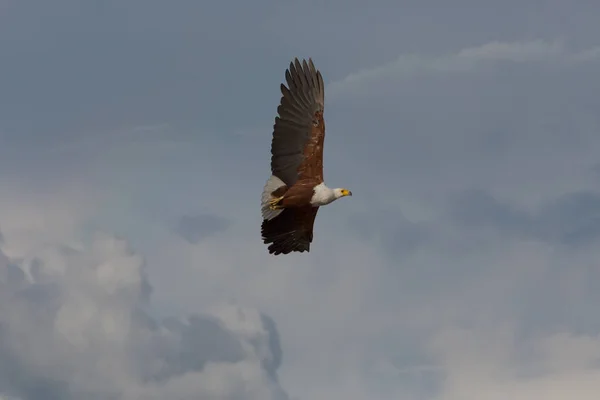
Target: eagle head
(341, 192)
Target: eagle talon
(273, 203)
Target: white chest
(322, 195)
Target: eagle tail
(272, 185)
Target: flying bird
(293, 194)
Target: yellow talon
(273, 203)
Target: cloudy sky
(135, 142)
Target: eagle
(295, 190)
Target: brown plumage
(292, 196)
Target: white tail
(273, 183)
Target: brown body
(296, 159)
(298, 195)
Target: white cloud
(31, 219)
(384, 314)
(587, 55)
(516, 52)
(408, 65)
(76, 326)
(480, 364)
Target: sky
(135, 143)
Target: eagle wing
(299, 130)
(292, 230)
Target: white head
(323, 195)
(341, 192)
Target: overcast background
(134, 145)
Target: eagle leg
(274, 203)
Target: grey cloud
(201, 339)
(522, 124)
(196, 228)
(390, 229)
(272, 363)
(416, 369)
(478, 208)
(166, 62)
(505, 54)
(408, 66)
(572, 219)
(148, 62)
(85, 333)
(499, 126)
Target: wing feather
(292, 230)
(296, 147)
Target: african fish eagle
(293, 194)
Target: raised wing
(299, 130)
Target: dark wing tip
(302, 66)
(303, 73)
(276, 249)
(287, 233)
